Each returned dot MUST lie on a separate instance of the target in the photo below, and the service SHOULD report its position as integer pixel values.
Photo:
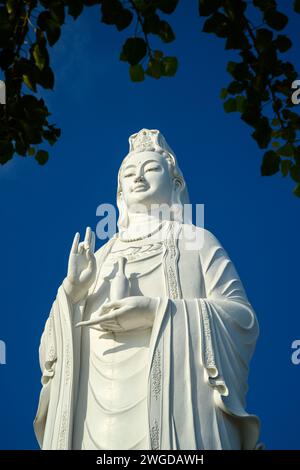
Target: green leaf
(223, 93)
(288, 114)
(167, 6)
(285, 166)
(295, 173)
(110, 10)
(155, 68)
(275, 122)
(241, 103)
(10, 6)
(296, 190)
(283, 43)
(46, 78)
(166, 33)
(31, 151)
(137, 73)
(40, 56)
(158, 54)
(235, 87)
(153, 24)
(297, 154)
(263, 38)
(286, 150)
(6, 151)
(113, 13)
(239, 70)
(252, 114)
(170, 66)
(264, 4)
(263, 132)
(20, 148)
(47, 23)
(208, 7)
(42, 157)
(75, 8)
(230, 105)
(217, 24)
(275, 19)
(289, 71)
(134, 50)
(57, 10)
(288, 134)
(53, 32)
(90, 3)
(297, 6)
(52, 135)
(275, 144)
(29, 82)
(270, 164)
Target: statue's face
(146, 179)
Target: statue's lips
(139, 187)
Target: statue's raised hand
(81, 267)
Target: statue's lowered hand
(130, 313)
(81, 267)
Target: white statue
(148, 341)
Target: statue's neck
(140, 225)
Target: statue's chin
(147, 199)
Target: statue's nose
(139, 178)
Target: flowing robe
(201, 342)
(111, 411)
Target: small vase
(120, 284)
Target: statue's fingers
(74, 247)
(107, 326)
(80, 247)
(97, 328)
(90, 257)
(93, 242)
(107, 317)
(87, 238)
(93, 321)
(110, 305)
(113, 315)
(111, 326)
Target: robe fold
(202, 340)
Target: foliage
(261, 86)
(260, 89)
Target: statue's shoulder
(197, 238)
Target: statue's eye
(153, 168)
(127, 175)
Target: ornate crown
(151, 140)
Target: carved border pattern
(154, 436)
(171, 264)
(208, 350)
(173, 292)
(63, 432)
(156, 374)
(62, 443)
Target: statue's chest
(142, 270)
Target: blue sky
(255, 218)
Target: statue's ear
(177, 185)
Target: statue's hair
(181, 196)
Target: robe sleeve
(201, 347)
(230, 330)
(59, 357)
(47, 360)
